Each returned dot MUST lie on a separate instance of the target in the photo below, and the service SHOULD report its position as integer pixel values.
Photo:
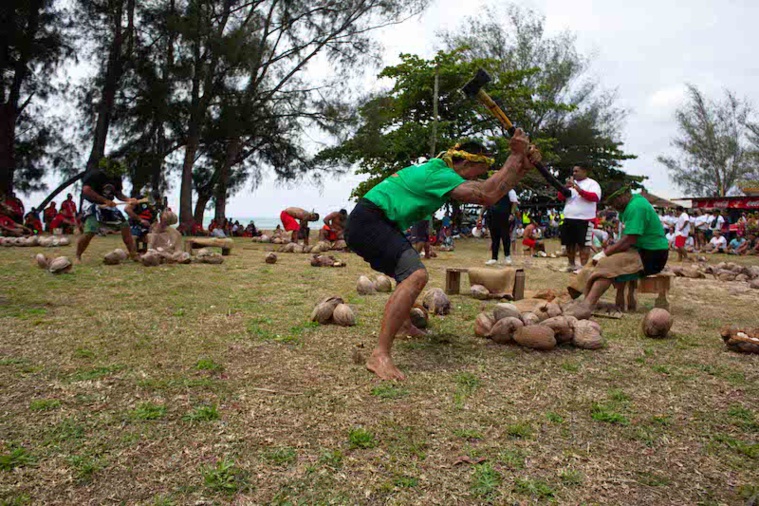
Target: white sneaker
(506, 261)
(492, 261)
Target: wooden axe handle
(141, 201)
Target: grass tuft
(358, 437)
(535, 488)
(44, 404)
(225, 477)
(280, 456)
(603, 413)
(207, 364)
(387, 390)
(522, 430)
(148, 411)
(18, 457)
(485, 481)
(202, 414)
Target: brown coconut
(503, 330)
(657, 323)
(479, 292)
(42, 261)
(322, 312)
(112, 258)
(562, 329)
(693, 273)
(529, 318)
(725, 275)
(546, 310)
(64, 241)
(343, 315)
(150, 259)
(740, 340)
(60, 265)
(742, 278)
(537, 337)
(419, 317)
(277, 240)
(579, 311)
(271, 258)
(436, 301)
(264, 238)
(340, 244)
(483, 323)
(213, 258)
(383, 284)
(754, 284)
(505, 310)
(587, 335)
(364, 286)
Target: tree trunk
(222, 185)
(200, 206)
(7, 147)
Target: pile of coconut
(292, 247)
(326, 261)
(333, 310)
(57, 265)
(542, 328)
(741, 340)
(51, 241)
(155, 257)
(723, 271)
(382, 283)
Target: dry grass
(207, 384)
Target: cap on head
(314, 217)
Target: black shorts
(653, 260)
(576, 233)
(376, 239)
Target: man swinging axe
(376, 224)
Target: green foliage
(485, 481)
(202, 414)
(207, 364)
(225, 477)
(17, 457)
(513, 459)
(521, 430)
(604, 413)
(388, 390)
(148, 411)
(280, 456)
(571, 477)
(44, 404)
(332, 458)
(359, 437)
(537, 488)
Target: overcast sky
(647, 50)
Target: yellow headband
(455, 151)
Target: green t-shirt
(413, 193)
(640, 219)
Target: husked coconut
(364, 286)
(150, 259)
(529, 318)
(732, 266)
(264, 238)
(59, 265)
(741, 277)
(213, 258)
(383, 284)
(112, 258)
(479, 292)
(693, 273)
(340, 244)
(547, 310)
(123, 255)
(562, 329)
(725, 275)
(202, 252)
(741, 340)
(505, 310)
(322, 312)
(537, 337)
(677, 270)
(436, 301)
(271, 258)
(657, 323)
(64, 241)
(55, 242)
(754, 284)
(483, 323)
(34, 240)
(587, 335)
(277, 240)
(343, 315)
(182, 257)
(42, 261)
(503, 330)
(419, 317)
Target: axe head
(480, 79)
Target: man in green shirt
(643, 232)
(375, 225)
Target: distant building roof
(657, 201)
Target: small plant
(280, 456)
(536, 488)
(225, 477)
(18, 457)
(202, 414)
(84, 353)
(332, 458)
(520, 430)
(386, 390)
(148, 411)
(44, 404)
(571, 477)
(513, 459)
(361, 438)
(485, 481)
(84, 466)
(570, 366)
(741, 413)
(554, 417)
(207, 364)
(663, 420)
(468, 434)
(602, 413)
(466, 384)
(405, 482)
(617, 395)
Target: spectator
(682, 231)
(717, 244)
(501, 218)
(579, 210)
(32, 222)
(50, 213)
(737, 245)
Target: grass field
(203, 384)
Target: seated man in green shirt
(375, 226)
(643, 232)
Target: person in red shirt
(64, 223)
(68, 206)
(15, 206)
(9, 227)
(50, 213)
(32, 222)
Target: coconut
(307, 249)
(383, 284)
(436, 301)
(277, 240)
(340, 245)
(43, 262)
(202, 252)
(483, 323)
(693, 273)
(677, 270)
(657, 323)
(503, 329)
(364, 286)
(753, 272)
(546, 310)
(34, 240)
(151, 258)
(55, 242)
(587, 335)
(322, 312)
(419, 317)
(123, 255)
(562, 329)
(740, 340)
(112, 258)
(271, 258)
(321, 247)
(742, 278)
(59, 265)
(213, 258)
(264, 238)
(537, 337)
(732, 266)
(64, 241)
(725, 275)
(182, 257)
(343, 315)
(505, 310)
(480, 292)
(529, 318)
(754, 284)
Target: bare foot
(77, 259)
(409, 329)
(382, 365)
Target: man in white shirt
(717, 222)
(682, 231)
(670, 235)
(718, 244)
(579, 210)
(701, 226)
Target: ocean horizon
(262, 222)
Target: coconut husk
(587, 335)
(419, 317)
(741, 340)
(340, 245)
(343, 315)
(43, 262)
(563, 331)
(537, 337)
(60, 265)
(503, 330)
(505, 310)
(546, 310)
(483, 323)
(322, 312)
(270, 258)
(182, 257)
(529, 318)
(213, 258)
(365, 286)
(112, 258)
(436, 301)
(383, 284)
(479, 292)
(151, 259)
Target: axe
(145, 200)
(473, 89)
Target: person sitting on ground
(642, 250)
(690, 244)
(32, 222)
(748, 245)
(294, 219)
(670, 235)
(376, 223)
(99, 187)
(48, 215)
(717, 244)
(65, 223)
(531, 239)
(13, 207)
(10, 228)
(735, 244)
(334, 226)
